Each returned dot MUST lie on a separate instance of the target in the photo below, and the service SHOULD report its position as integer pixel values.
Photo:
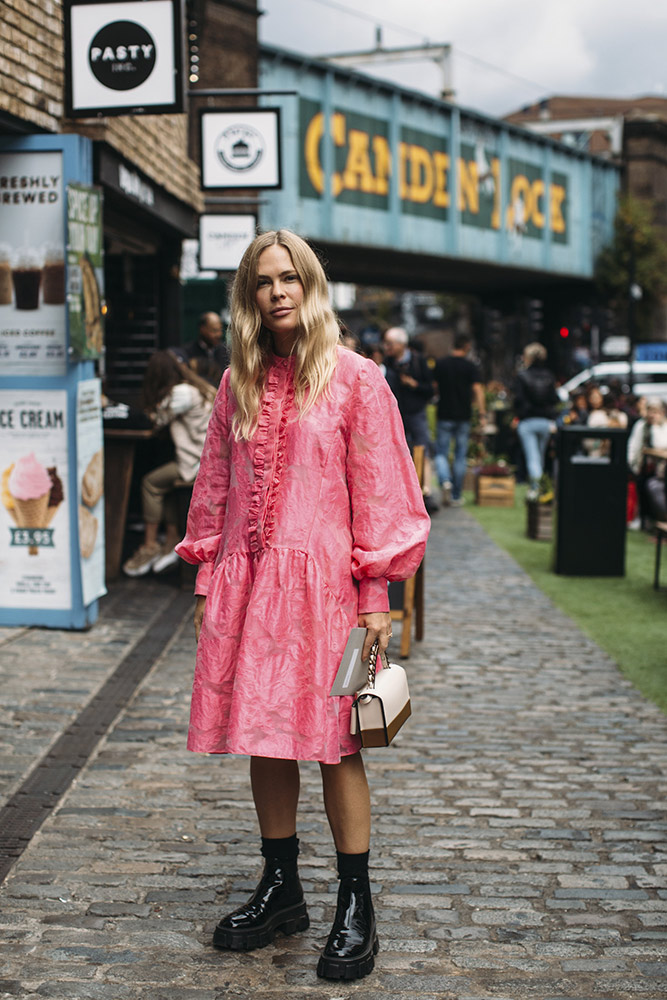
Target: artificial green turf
(624, 615)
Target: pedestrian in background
(647, 460)
(306, 504)
(207, 356)
(411, 381)
(347, 338)
(603, 411)
(535, 406)
(459, 383)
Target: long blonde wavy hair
(251, 344)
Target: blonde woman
(305, 505)
(535, 405)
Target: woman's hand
(378, 625)
(199, 614)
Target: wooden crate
(495, 491)
(539, 520)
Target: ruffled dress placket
(270, 452)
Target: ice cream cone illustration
(55, 496)
(30, 487)
(50, 514)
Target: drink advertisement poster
(85, 271)
(32, 264)
(90, 484)
(34, 513)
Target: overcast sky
(506, 53)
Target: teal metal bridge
(398, 186)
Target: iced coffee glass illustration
(5, 274)
(53, 276)
(27, 278)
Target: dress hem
(277, 756)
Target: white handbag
(382, 706)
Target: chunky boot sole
(289, 921)
(348, 968)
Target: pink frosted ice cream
(30, 486)
(29, 479)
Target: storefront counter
(119, 453)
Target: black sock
(283, 848)
(352, 865)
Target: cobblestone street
(520, 835)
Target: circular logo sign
(122, 55)
(240, 147)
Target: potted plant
(495, 484)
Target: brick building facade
(632, 131)
(32, 89)
(147, 165)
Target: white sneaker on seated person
(168, 558)
(143, 560)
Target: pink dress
(296, 532)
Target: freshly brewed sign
(32, 264)
(123, 57)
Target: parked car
(649, 378)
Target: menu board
(32, 264)
(90, 485)
(34, 513)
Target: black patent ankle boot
(353, 940)
(277, 904)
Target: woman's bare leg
(348, 804)
(277, 903)
(275, 789)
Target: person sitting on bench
(175, 397)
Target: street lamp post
(634, 295)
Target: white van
(649, 378)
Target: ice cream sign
(31, 492)
(32, 496)
(30, 419)
(35, 501)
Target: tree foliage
(637, 255)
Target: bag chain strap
(372, 662)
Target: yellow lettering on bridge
(423, 176)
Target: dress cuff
(373, 595)
(204, 574)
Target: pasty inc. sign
(123, 57)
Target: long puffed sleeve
(209, 495)
(389, 522)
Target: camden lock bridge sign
(395, 184)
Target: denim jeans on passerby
(534, 433)
(460, 431)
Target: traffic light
(564, 332)
(536, 317)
